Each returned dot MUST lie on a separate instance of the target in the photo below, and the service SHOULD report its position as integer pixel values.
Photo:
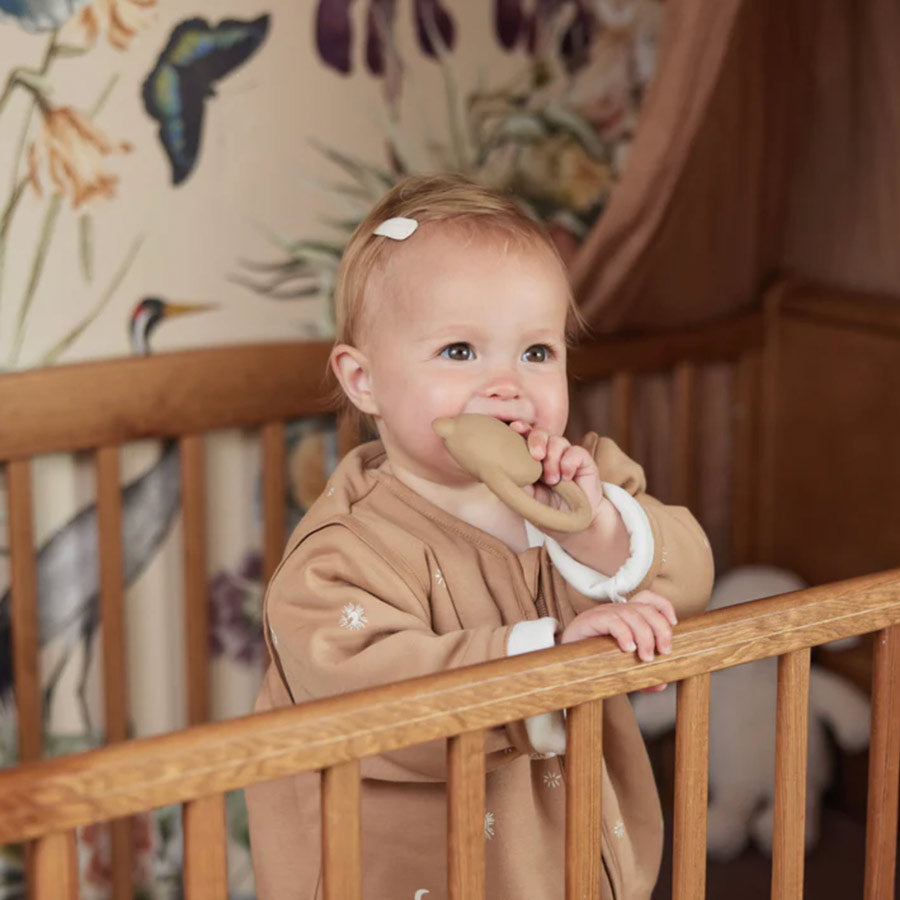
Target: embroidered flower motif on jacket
(552, 779)
(353, 617)
(488, 825)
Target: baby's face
(463, 325)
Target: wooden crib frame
(97, 407)
(45, 801)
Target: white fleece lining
(546, 731)
(591, 583)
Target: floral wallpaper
(175, 176)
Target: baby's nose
(503, 387)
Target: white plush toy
(742, 728)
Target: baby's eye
(459, 352)
(537, 353)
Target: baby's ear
(351, 368)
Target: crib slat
(23, 611)
(112, 613)
(745, 458)
(55, 867)
(622, 401)
(193, 499)
(684, 418)
(884, 767)
(584, 779)
(790, 774)
(691, 788)
(465, 816)
(341, 833)
(205, 842)
(273, 491)
(112, 624)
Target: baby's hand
(643, 624)
(561, 460)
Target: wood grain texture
(55, 867)
(121, 845)
(685, 406)
(23, 612)
(122, 779)
(766, 486)
(745, 458)
(112, 582)
(791, 719)
(341, 832)
(831, 435)
(865, 311)
(112, 627)
(113, 401)
(465, 816)
(691, 788)
(602, 357)
(621, 409)
(584, 784)
(192, 454)
(884, 768)
(205, 843)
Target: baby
(450, 300)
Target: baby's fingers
(658, 602)
(600, 620)
(658, 626)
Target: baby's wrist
(606, 534)
(606, 522)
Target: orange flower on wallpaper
(120, 20)
(71, 150)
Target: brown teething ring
(492, 452)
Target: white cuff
(532, 634)
(546, 731)
(591, 583)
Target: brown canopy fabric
(768, 142)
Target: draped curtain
(768, 142)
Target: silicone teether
(492, 452)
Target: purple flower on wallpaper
(334, 31)
(510, 22)
(515, 27)
(235, 609)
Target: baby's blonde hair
(447, 198)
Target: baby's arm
(343, 616)
(638, 542)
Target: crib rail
(43, 801)
(100, 406)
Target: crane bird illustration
(68, 574)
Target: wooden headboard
(831, 434)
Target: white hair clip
(398, 228)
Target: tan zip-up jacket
(377, 585)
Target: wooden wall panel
(833, 431)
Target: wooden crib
(781, 486)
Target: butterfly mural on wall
(175, 92)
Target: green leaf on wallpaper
(375, 179)
(86, 245)
(568, 121)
